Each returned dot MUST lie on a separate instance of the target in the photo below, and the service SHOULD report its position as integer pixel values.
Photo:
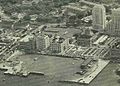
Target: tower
(113, 27)
(42, 42)
(99, 17)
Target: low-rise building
(115, 51)
(28, 46)
(85, 64)
(115, 54)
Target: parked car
(82, 72)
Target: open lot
(51, 65)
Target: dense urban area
(59, 42)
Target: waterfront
(106, 78)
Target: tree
(117, 72)
(27, 17)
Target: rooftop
(58, 40)
(85, 36)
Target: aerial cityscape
(59, 42)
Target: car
(82, 72)
(84, 58)
(89, 66)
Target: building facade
(42, 42)
(59, 45)
(99, 17)
(27, 47)
(113, 27)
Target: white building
(59, 45)
(113, 27)
(99, 17)
(42, 42)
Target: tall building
(59, 45)
(113, 27)
(99, 17)
(116, 19)
(42, 42)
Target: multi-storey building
(28, 46)
(59, 45)
(99, 17)
(42, 42)
(115, 51)
(113, 27)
